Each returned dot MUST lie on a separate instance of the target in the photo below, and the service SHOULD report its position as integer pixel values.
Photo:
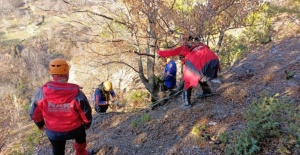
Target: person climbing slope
(104, 96)
(201, 64)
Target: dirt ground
(171, 129)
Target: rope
(168, 97)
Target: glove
(87, 126)
(116, 102)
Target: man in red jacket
(201, 64)
(62, 109)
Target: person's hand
(42, 128)
(86, 127)
(116, 102)
(162, 76)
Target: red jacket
(61, 107)
(201, 63)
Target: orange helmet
(58, 66)
(107, 86)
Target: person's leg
(58, 147)
(206, 90)
(180, 85)
(103, 108)
(187, 97)
(80, 143)
(97, 108)
(80, 146)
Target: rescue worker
(104, 96)
(201, 64)
(62, 109)
(169, 75)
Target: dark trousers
(58, 140)
(205, 87)
(187, 93)
(58, 147)
(187, 96)
(101, 108)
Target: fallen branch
(153, 104)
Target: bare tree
(135, 29)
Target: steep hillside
(273, 68)
(171, 129)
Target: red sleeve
(181, 50)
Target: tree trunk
(222, 33)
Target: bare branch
(104, 16)
(150, 55)
(42, 8)
(66, 2)
(124, 63)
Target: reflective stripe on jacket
(201, 63)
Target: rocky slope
(171, 129)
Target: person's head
(164, 60)
(192, 40)
(181, 58)
(107, 86)
(59, 70)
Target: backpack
(102, 92)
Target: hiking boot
(186, 106)
(91, 152)
(204, 95)
(206, 91)
(187, 99)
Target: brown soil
(171, 129)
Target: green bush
(267, 119)
(144, 118)
(137, 96)
(134, 123)
(233, 48)
(261, 27)
(197, 132)
(224, 137)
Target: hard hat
(107, 86)
(58, 66)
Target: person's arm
(85, 110)
(181, 50)
(35, 110)
(113, 95)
